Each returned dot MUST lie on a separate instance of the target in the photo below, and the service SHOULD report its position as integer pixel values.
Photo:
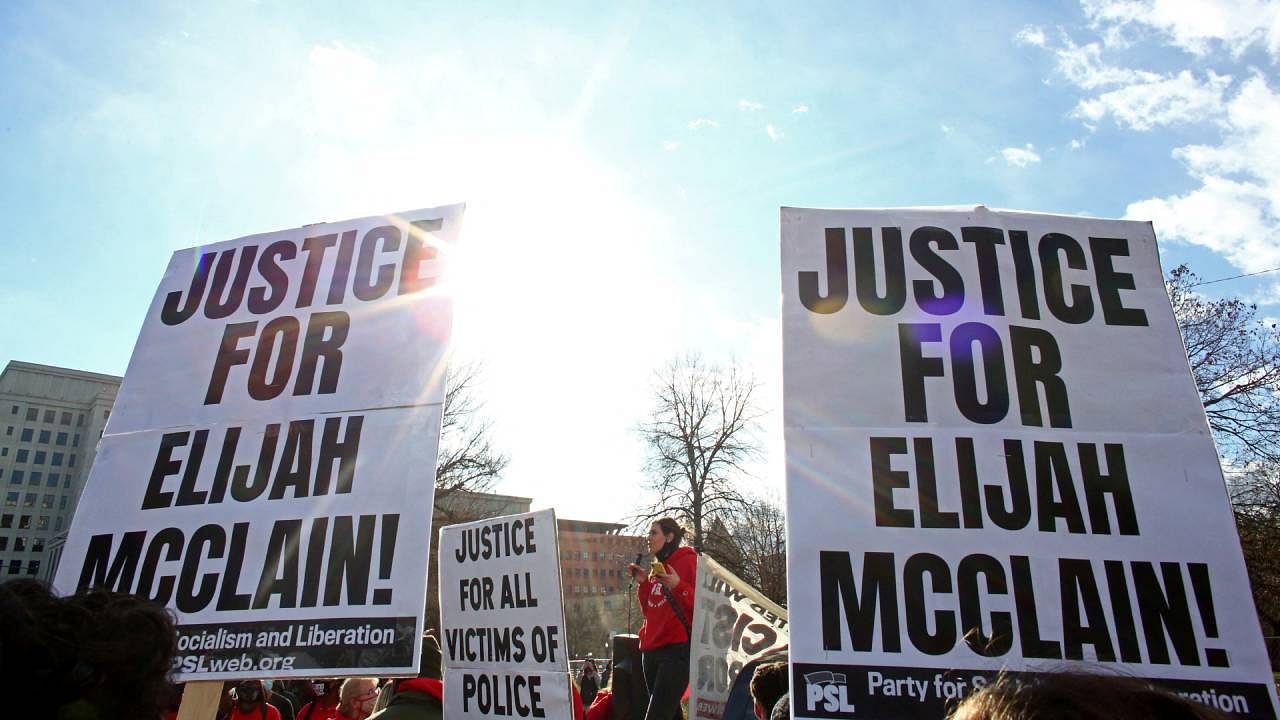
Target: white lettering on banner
(1020, 473)
(272, 374)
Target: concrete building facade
(51, 419)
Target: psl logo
(829, 689)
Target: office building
(51, 419)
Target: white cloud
(699, 123)
(749, 105)
(1083, 66)
(1171, 100)
(1236, 209)
(1193, 25)
(774, 133)
(671, 145)
(1020, 157)
(946, 129)
(1031, 35)
(1076, 144)
(801, 108)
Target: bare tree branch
(699, 435)
(467, 459)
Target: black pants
(666, 673)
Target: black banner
(875, 691)
(272, 645)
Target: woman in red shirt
(666, 599)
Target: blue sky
(623, 165)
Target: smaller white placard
(500, 606)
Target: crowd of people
(102, 655)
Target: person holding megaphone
(666, 590)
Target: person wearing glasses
(357, 698)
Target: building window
(24, 521)
(71, 461)
(33, 567)
(27, 435)
(11, 500)
(66, 482)
(28, 500)
(46, 502)
(4, 451)
(6, 521)
(43, 523)
(13, 410)
(4, 543)
(106, 414)
(15, 566)
(61, 439)
(37, 545)
(20, 544)
(35, 478)
(76, 441)
(80, 420)
(53, 480)
(32, 414)
(41, 456)
(22, 455)
(62, 503)
(48, 416)
(65, 419)
(57, 459)
(57, 522)
(9, 430)
(44, 437)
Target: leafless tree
(1235, 359)
(1255, 494)
(467, 459)
(700, 434)
(760, 534)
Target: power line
(1234, 277)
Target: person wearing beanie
(420, 698)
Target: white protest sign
(267, 471)
(733, 624)
(502, 618)
(996, 458)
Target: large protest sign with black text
(733, 624)
(268, 469)
(997, 459)
(502, 619)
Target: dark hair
(109, 649)
(1073, 695)
(782, 708)
(769, 683)
(669, 526)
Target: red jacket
(602, 708)
(661, 626)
